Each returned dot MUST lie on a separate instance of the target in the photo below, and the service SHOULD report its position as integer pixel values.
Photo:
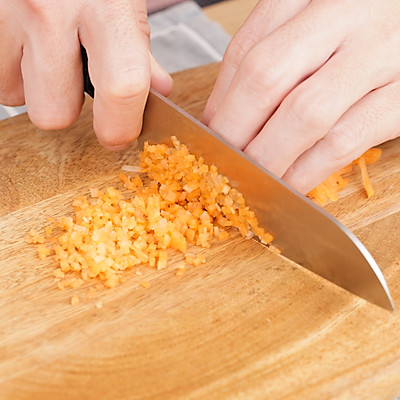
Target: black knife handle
(87, 83)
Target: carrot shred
(370, 156)
(361, 162)
(328, 190)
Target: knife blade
(303, 231)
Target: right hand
(41, 63)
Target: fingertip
(161, 80)
(116, 127)
(208, 112)
(163, 84)
(52, 117)
(118, 108)
(114, 139)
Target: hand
(306, 87)
(41, 63)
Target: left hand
(306, 87)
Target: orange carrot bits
(162, 259)
(178, 241)
(48, 230)
(185, 201)
(43, 252)
(111, 282)
(58, 274)
(124, 178)
(180, 270)
(195, 260)
(145, 284)
(169, 195)
(35, 237)
(222, 235)
(190, 234)
(137, 181)
(221, 220)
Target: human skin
(41, 63)
(305, 87)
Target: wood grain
(246, 325)
(231, 14)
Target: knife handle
(87, 83)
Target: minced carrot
(185, 202)
(58, 273)
(180, 270)
(43, 252)
(195, 260)
(74, 300)
(223, 235)
(145, 284)
(35, 237)
(162, 259)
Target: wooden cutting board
(248, 324)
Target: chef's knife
(303, 231)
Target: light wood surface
(246, 325)
(230, 13)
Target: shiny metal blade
(303, 231)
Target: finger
(119, 65)
(265, 18)
(311, 109)
(160, 79)
(52, 73)
(52, 70)
(272, 68)
(11, 84)
(371, 121)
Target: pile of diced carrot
(184, 202)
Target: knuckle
(342, 143)
(41, 8)
(238, 48)
(297, 178)
(257, 73)
(123, 87)
(310, 110)
(143, 23)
